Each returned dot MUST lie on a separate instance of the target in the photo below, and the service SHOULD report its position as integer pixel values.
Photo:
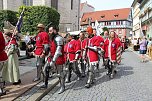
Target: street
(131, 83)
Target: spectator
(27, 38)
(11, 71)
(143, 47)
(149, 44)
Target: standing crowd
(78, 52)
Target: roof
(82, 4)
(106, 15)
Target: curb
(47, 91)
(26, 90)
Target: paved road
(133, 82)
(26, 65)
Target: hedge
(38, 14)
(7, 15)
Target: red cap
(89, 30)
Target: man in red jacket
(41, 50)
(100, 42)
(92, 54)
(56, 59)
(82, 41)
(74, 50)
(110, 48)
(3, 58)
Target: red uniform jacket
(60, 60)
(110, 48)
(3, 55)
(73, 48)
(41, 39)
(92, 55)
(100, 41)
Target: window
(121, 22)
(116, 15)
(28, 2)
(54, 4)
(102, 16)
(118, 23)
(109, 23)
(71, 4)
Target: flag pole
(14, 32)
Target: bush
(7, 15)
(38, 14)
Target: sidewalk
(28, 72)
(137, 52)
(15, 91)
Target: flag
(19, 23)
(98, 28)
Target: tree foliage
(38, 14)
(7, 15)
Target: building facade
(28, 2)
(136, 22)
(146, 17)
(85, 8)
(11, 4)
(118, 20)
(69, 12)
(1, 4)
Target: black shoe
(44, 86)
(36, 79)
(83, 75)
(17, 83)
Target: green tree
(38, 14)
(7, 15)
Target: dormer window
(84, 20)
(116, 15)
(102, 16)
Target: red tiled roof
(106, 15)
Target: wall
(85, 9)
(12, 4)
(136, 21)
(1, 4)
(69, 20)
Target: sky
(109, 4)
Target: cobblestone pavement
(27, 65)
(131, 83)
